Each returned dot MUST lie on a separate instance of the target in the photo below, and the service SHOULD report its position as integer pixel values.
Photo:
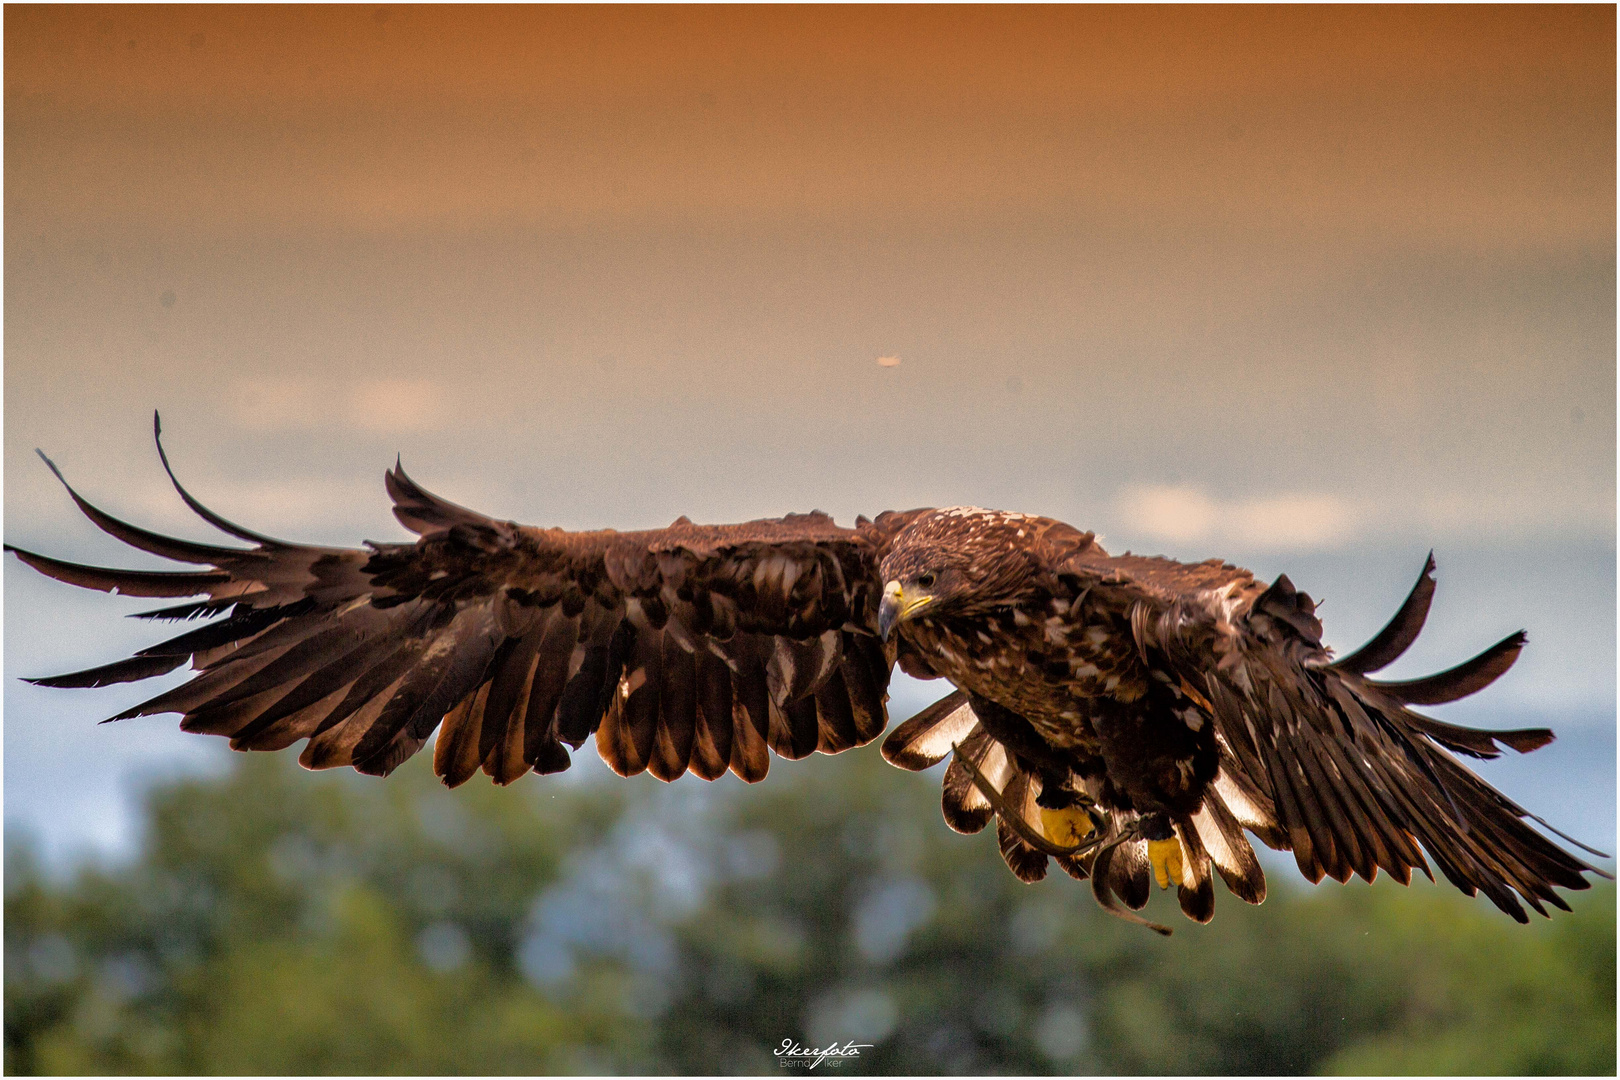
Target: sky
(1311, 289)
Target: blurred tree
(286, 923)
(282, 922)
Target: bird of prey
(1129, 718)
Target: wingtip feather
(222, 524)
(1386, 646)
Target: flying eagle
(1129, 718)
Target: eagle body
(1114, 714)
(1057, 659)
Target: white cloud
(392, 405)
(1177, 514)
(378, 405)
(1305, 520)
(1293, 521)
(276, 404)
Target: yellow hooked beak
(898, 607)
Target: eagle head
(955, 561)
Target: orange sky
(1312, 289)
(1494, 124)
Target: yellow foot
(1165, 855)
(1066, 827)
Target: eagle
(1132, 719)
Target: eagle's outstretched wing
(687, 648)
(1319, 758)
(1223, 713)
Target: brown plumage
(1124, 699)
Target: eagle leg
(1163, 849)
(1068, 825)
(1168, 863)
(1067, 815)
(1015, 821)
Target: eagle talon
(1015, 820)
(1068, 826)
(1165, 855)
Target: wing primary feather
(1468, 677)
(1565, 836)
(1478, 742)
(181, 612)
(630, 722)
(127, 582)
(144, 539)
(131, 670)
(202, 511)
(1291, 816)
(471, 647)
(505, 762)
(1319, 785)
(339, 671)
(750, 758)
(332, 744)
(509, 690)
(1382, 845)
(754, 699)
(455, 753)
(329, 646)
(235, 628)
(1396, 637)
(804, 728)
(866, 675)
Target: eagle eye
(926, 581)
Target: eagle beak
(897, 607)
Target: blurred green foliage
(283, 922)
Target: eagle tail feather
(1196, 891)
(965, 808)
(1129, 875)
(1027, 864)
(924, 740)
(1219, 833)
